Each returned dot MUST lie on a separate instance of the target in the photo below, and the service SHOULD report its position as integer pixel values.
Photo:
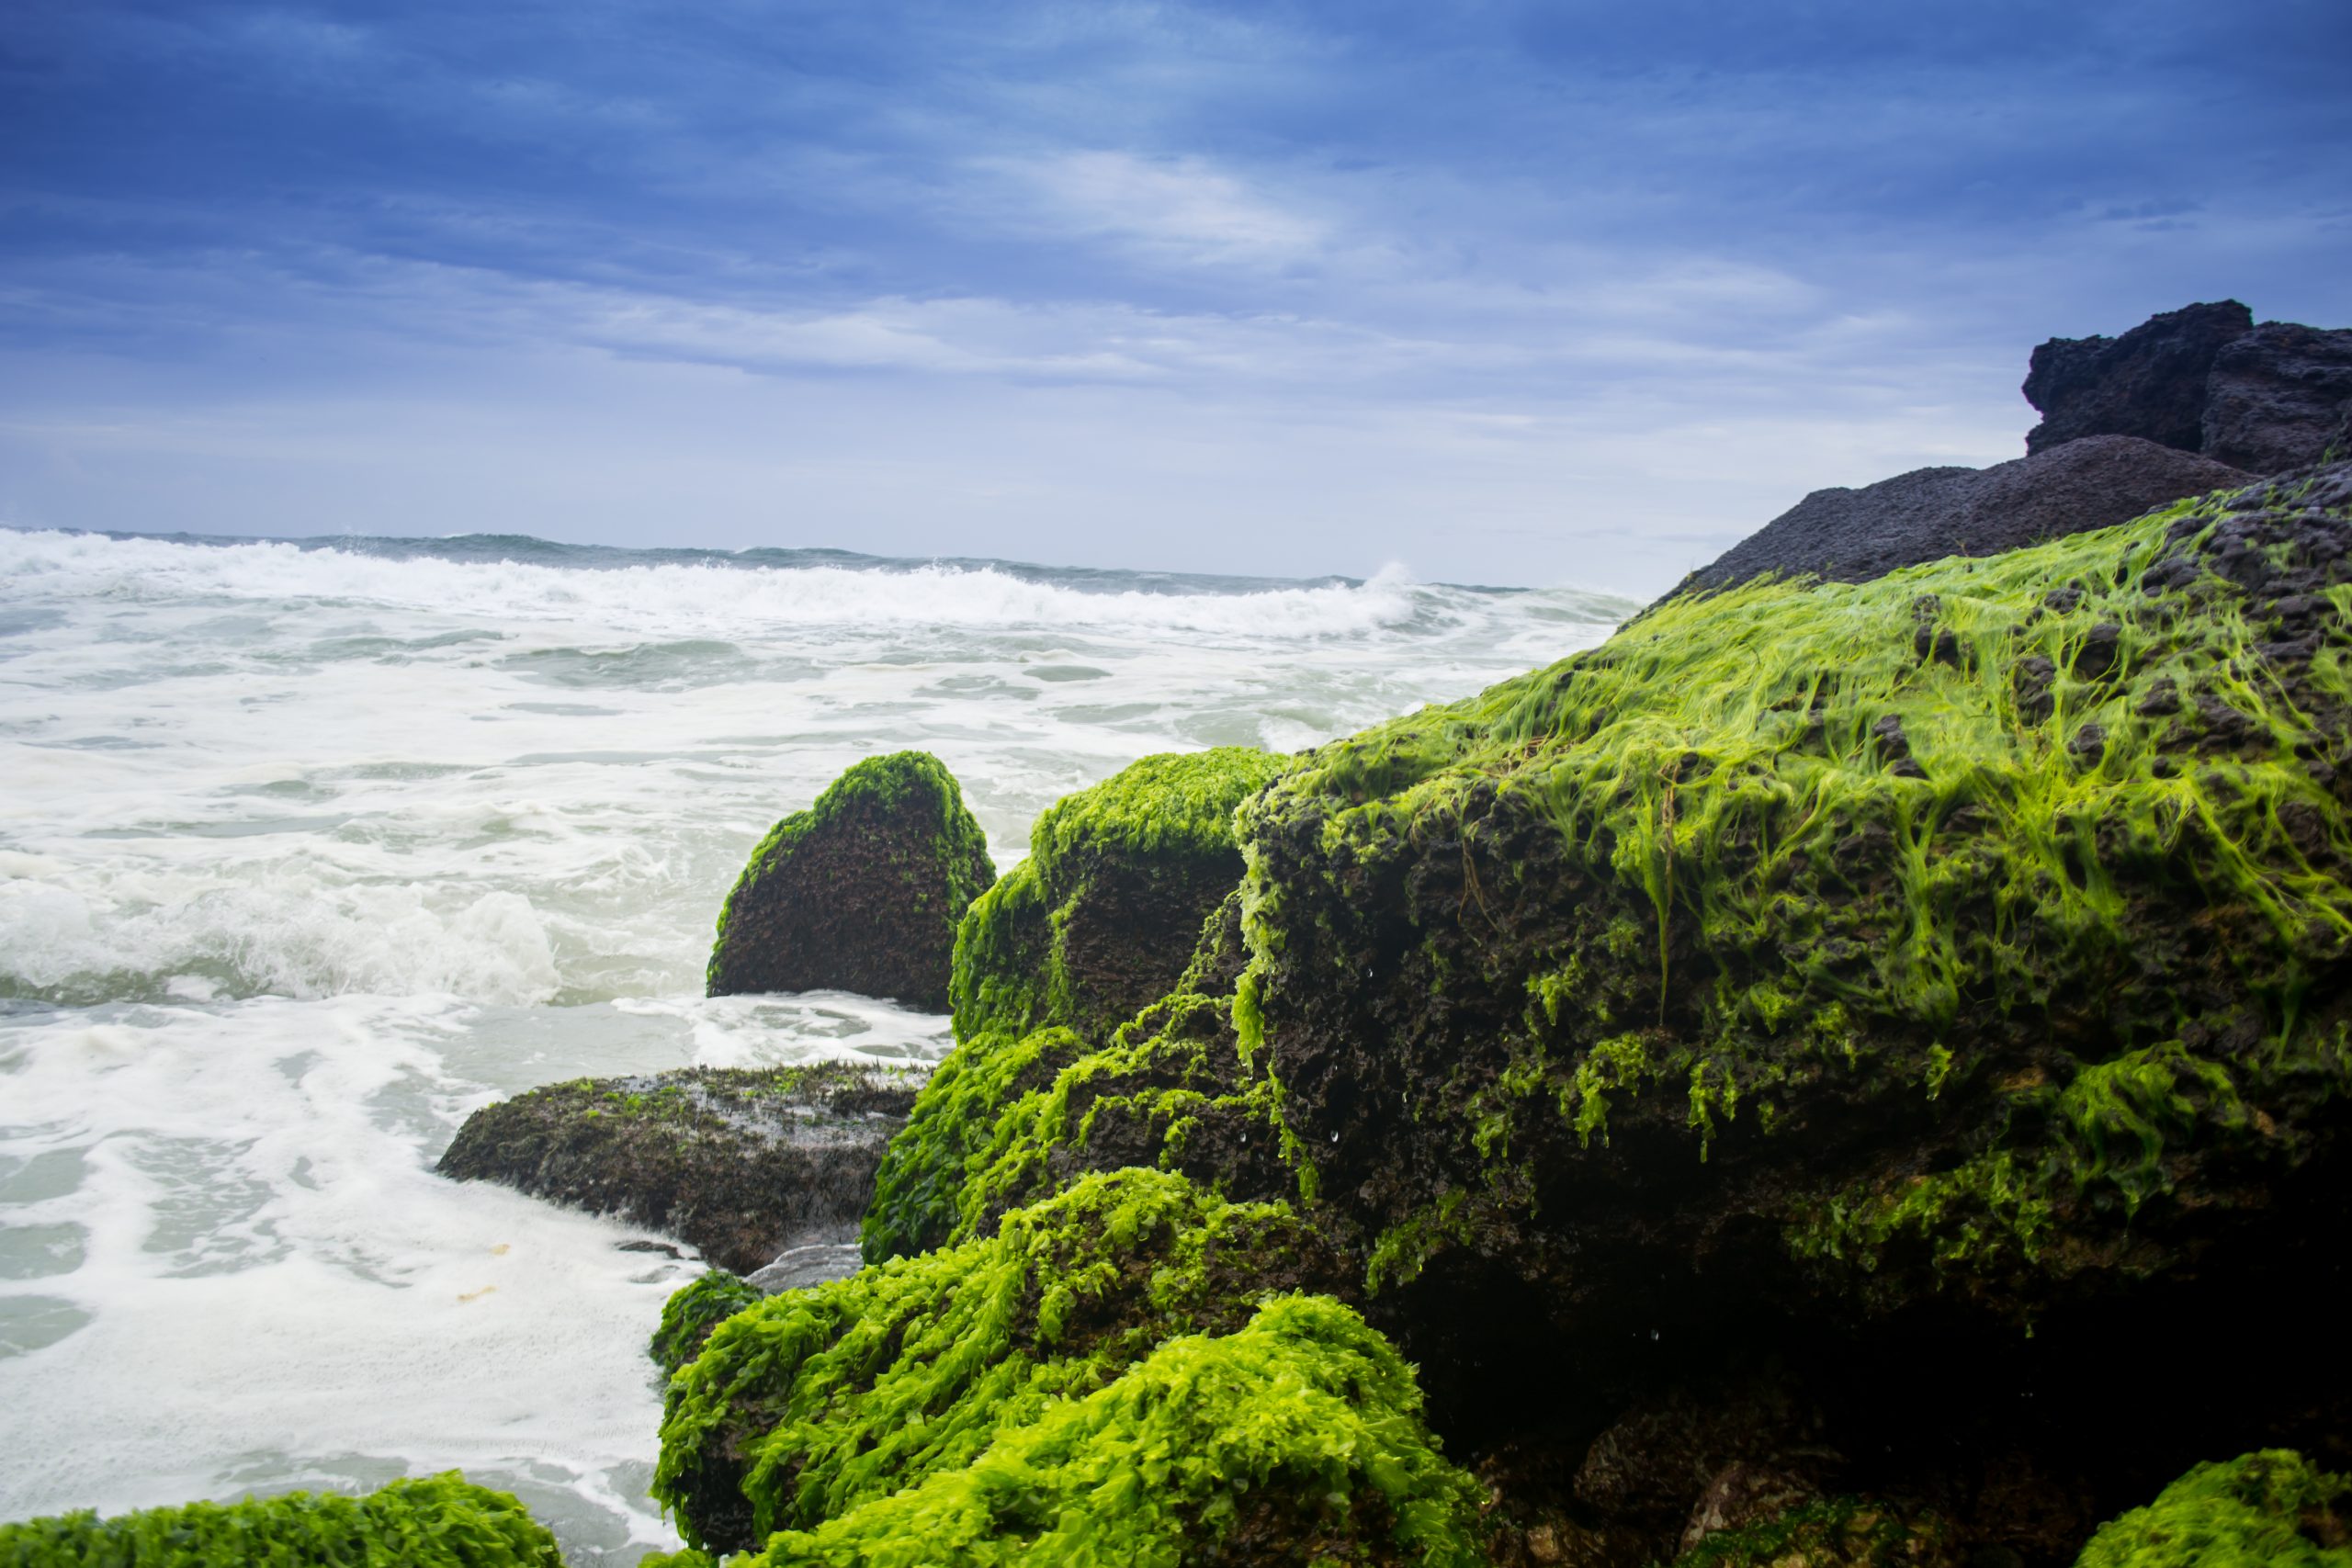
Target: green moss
(816, 1402)
(1048, 966)
(439, 1521)
(692, 1313)
(2272, 1508)
(1904, 840)
(1297, 1435)
(1163, 815)
(1842, 1532)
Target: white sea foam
(306, 853)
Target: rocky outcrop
(2205, 378)
(1093, 1001)
(862, 892)
(1853, 535)
(2149, 383)
(2280, 397)
(435, 1521)
(741, 1163)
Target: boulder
(2149, 383)
(741, 1163)
(2279, 397)
(1853, 535)
(1937, 986)
(862, 892)
(1093, 1012)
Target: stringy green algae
(1863, 819)
(1300, 1432)
(1021, 1018)
(439, 1521)
(2272, 1509)
(819, 1402)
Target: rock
(2149, 383)
(862, 892)
(741, 1163)
(1845, 1532)
(1120, 1374)
(2273, 1508)
(434, 1521)
(798, 1268)
(1093, 1011)
(1854, 536)
(2279, 396)
(1645, 1015)
(1744, 1494)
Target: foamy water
(306, 853)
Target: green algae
(1839, 1532)
(1295, 1438)
(816, 1402)
(689, 1315)
(1055, 964)
(2067, 814)
(440, 1522)
(2273, 1509)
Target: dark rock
(862, 892)
(2149, 383)
(1854, 536)
(2279, 396)
(1745, 1494)
(741, 1163)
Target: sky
(1506, 293)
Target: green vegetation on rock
(1053, 965)
(818, 1402)
(2014, 888)
(860, 892)
(2274, 1510)
(689, 1315)
(441, 1521)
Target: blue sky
(1508, 293)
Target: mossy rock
(1977, 936)
(1842, 1532)
(813, 1404)
(2273, 1509)
(740, 1162)
(1105, 955)
(862, 892)
(441, 1521)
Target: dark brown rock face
(741, 1163)
(2277, 397)
(861, 892)
(2150, 382)
(1853, 535)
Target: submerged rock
(1854, 535)
(741, 1162)
(2149, 383)
(862, 892)
(1093, 988)
(437, 1521)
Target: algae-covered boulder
(1975, 939)
(741, 1162)
(861, 892)
(1093, 1008)
(913, 1386)
(2274, 1509)
(440, 1522)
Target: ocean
(308, 850)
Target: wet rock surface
(741, 1163)
(861, 892)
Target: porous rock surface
(2279, 397)
(2150, 382)
(742, 1163)
(861, 892)
(1853, 535)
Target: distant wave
(669, 593)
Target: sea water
(309, 849)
